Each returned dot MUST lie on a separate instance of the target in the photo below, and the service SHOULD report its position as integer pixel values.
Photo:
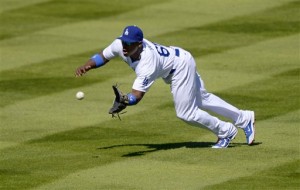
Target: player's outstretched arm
(96, 61)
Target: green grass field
(247, 52)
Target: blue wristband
(98, 60)
(131, 99)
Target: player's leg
(241, 118)
(185, 86)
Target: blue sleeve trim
(98, 60)
(131, 99)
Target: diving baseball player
(177, 67)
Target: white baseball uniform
(178, 68)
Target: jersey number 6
(162, 51)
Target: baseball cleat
(250, 130)
(224, 142)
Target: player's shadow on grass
(233, 144)
(168, 146)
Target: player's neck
(137, 55)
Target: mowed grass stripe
(39, 15)
(8, 5)
(285, 176)
(42, 78)
(238, 32)
(44, 15)
(272, 97)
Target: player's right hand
(82, 70)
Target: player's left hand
(120, 102)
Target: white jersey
(156, 61)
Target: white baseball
(79, 95)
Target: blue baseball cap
(132, 34)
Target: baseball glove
(119, 104)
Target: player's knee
(185, 117)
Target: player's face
(130, 48)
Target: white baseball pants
(191, 99)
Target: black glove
(120, 102)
